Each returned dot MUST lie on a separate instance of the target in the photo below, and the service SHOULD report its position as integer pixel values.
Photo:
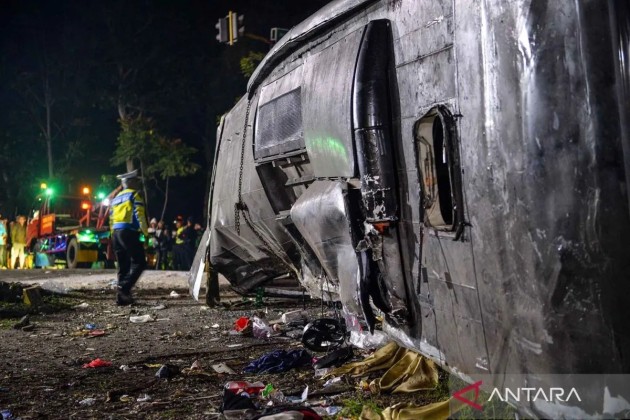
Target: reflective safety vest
(178, 239)
(127, 212)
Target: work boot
(124, 298)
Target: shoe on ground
(124, 299)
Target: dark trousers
(130, 256)
(179, 257)
(162, 259)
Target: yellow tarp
(407, 371)
(406, 411)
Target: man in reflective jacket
(127, 222)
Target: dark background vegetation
(82, 60)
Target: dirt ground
(41, 373)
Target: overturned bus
(458, 166)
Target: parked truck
(70, 230)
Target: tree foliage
(160, 157)
(250, 61)
(91, 80)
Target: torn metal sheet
(320, 216)
(198, 268)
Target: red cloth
(97, 363)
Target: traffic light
(49, 192)
(100, 195)
(85, 205)
(86, 190)
(222, 27)
(237, 26)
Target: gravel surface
(41, 373)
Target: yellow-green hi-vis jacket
(127, 212)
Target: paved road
(64, 280)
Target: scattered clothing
(407, 371)
(279, 361)
(408, 411)
(96, 363)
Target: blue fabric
(279, 361)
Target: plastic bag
(361, 338)
(365, 340)
(141, 319)
(261, 328)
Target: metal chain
(239, 205)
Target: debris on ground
(23, 322)
(32, 295)
(260, 328)
(293, 316)
(97, 363)
(407, 371)
(324, 334)
(167, 371)
(141, 319)
(279, 361)
(174, 295)
(87, 402)
(335, 358)
(140, 351)
(223, 368)
(144, 398)
(243, 325)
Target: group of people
(174, 248)
(12, 242)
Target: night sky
(83, 58)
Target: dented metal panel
(321, 217)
